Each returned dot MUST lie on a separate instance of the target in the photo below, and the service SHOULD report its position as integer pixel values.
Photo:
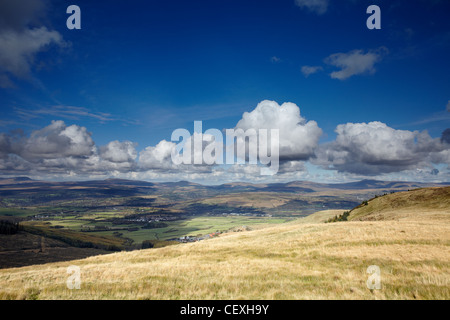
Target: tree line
(9, 227)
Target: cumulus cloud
(292, 166)
(157, 157)
(441, 157)
(183, 155)
(58, 141)
(317, 6)
(298, 140)
(374, 148)
(309, 70)
(62, 149)
(359, 150)
(117, 151)
(355, 62)
(298, 137)
(21, 39)
(13, 164)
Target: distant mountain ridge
(293, 186)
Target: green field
(190, 227)
(15, 212)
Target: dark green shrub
(342, 217)
(147, 244)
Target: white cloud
(442, 157)
(374, 148)
(298, 140)
(117, 151)
(355, 62)
(298, 137)
(62, 149)
(191, 158)
(157, 157)
(58, 140)
(309, 70)
(317, 6)
(292, 166)
(360, 150)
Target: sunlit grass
(287, 261)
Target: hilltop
(420, 204)
(297, 260)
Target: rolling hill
(303, 259)
(420, 204)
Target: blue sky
(137, 70)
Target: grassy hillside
(320, 217)
(25, 249)
(296, 260)
(420, 204)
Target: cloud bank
(374, 148)
(63, 151)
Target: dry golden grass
(321, 216)
(421, 204)
(406, 234)
(292, 261)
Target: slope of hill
(24, 249)
(420, 204)
(296, 260)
